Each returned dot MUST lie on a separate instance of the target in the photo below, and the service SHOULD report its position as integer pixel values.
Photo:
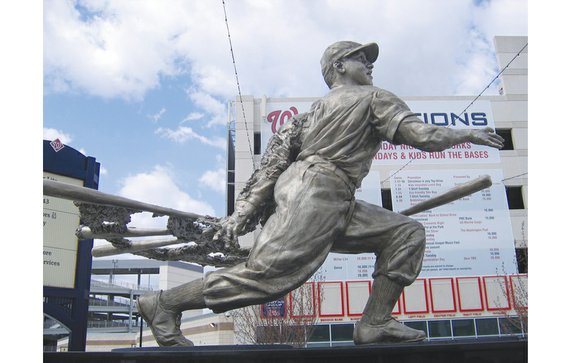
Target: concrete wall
(208, 329)
(171, 276)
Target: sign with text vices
(60, 221)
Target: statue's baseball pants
(316, 214)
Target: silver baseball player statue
(304, 193)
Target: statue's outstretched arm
(256, 201)
(395, 122)
(437, 138)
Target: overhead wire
(515, 176)
(238, 84)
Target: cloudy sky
(143, 85)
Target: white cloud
(502, 17)
(194, 116)
(214, 180)
(212, 106)
(156, 117)
(183, 134)
(158, 187)
(119, 50)
(52, 134)
(122, 48)
(216, 81)
(479, 67)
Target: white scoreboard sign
(471, 236)
(60, 221)
(439, 113)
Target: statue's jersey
(347, 126)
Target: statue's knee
(416, 226)
(418, 231)
(413, 229)
(416, 240)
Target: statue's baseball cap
(339, 50)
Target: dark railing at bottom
(492, 350)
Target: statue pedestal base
(492, 350)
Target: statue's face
(358, 69)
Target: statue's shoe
(165, 324)
(390, 332)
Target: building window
(418, 325)
(231, 198)
(487, 326)
(510, 326)
(522, 258)
(440, 328)
(387, 199)
(321, 333)
(463, 328)
(508, 143)
(257, 143)
(514, 197)
(231, 178)
(341, 332)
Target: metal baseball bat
(87, 195)
(134, 246)
(451, 195)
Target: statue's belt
(325, 164)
